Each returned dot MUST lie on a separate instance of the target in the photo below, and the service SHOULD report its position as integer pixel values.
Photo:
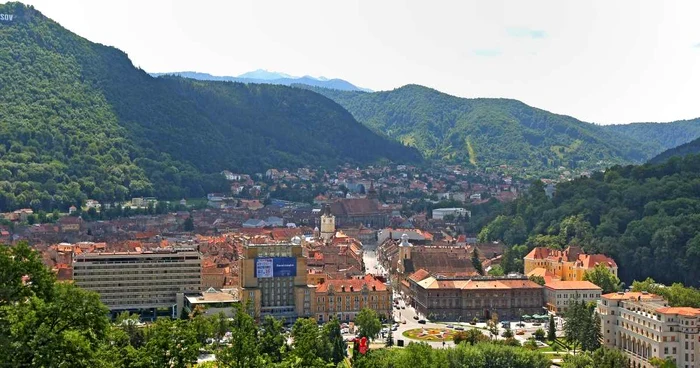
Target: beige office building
(273, 279)
(643, 326)
(558, 295)
(139, 280)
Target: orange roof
(591, 260)
(538, 253)
(571, 285)
(683, 311)
(356, 284)
(419, 275)
(470, 284)
(632, 295)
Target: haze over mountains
(489, 132)
(261, 76)
(78, 120)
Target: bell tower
(327, 223)
(404, 252)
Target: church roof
(355, 207)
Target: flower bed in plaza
(430, 334)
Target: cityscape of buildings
(290, 259)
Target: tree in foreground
(271, 342)
(310, 348)
(476, 262)
(170, 343)
(600, 358)
(539, 280)
(389, 338)
(539, 334)
(552, 330)
(368, 322)
(63, 331)
(603, 278)
(243, 350)
(662, 363)
(338, 347)
(471, 336)
(492, 326)
(582, 326)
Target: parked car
(450, 326)
(415, 317)
(520, 324)
(394, 328)
(459, 328)
(520, 332)
(421, 321)
(403, 307)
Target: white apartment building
(440, 213)
(643, 326)
(139, 280)
(558, 295)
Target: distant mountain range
(690, 148)
(261, 76)
(486, 132)
(659, 136)
(78, 121)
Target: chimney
(342, 288)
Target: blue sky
(600, 61)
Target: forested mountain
(269, 78)
(487, 131)
(78, 120)
(660, 136)
(692, 147)
(646, 217)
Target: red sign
(363, 345)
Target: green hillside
(660, 136)
(646, 217)
(488, 132)
(692, 147)
(78, 120)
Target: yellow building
(570, 264)
(273, 279)
(344, 299)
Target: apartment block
(643, 326)
(139, 280)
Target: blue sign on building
(275, 267)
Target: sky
(600, 61)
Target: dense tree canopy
(646, 217)
(462, 356)
(661, 136)
(486, 132)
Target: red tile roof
(683, 311)
(419, 275)
(356, 284)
